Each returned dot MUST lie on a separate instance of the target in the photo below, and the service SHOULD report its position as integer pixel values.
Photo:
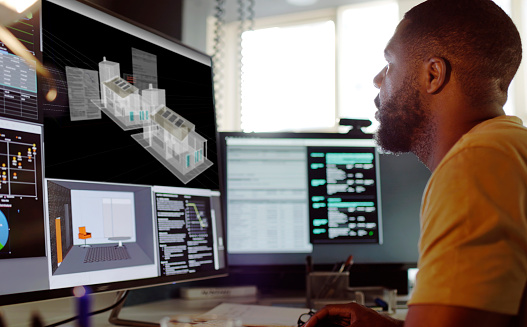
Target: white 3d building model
(152, 100)
(121, 98)
(170, 138)
(107, 71)
(175, 138)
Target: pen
(329, 288)
(347, 265)
(380, 302)
(83, 306)
(337, 266)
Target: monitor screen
(300, 190)
(115, 183)
(288, 195)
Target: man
(450, 63)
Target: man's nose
(377, 80)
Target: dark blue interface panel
(343, 194)
(18, 78)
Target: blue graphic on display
(4, 230)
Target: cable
(117, 303)
(217, 57)
(251, 14)
(239, 70)
(246, 16)
(246, 23)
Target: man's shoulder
(496, 144)
(501, 127)
(504, 134)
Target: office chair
(83, 235)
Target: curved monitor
(114, 184)
(290, 195)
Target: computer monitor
(371, 199)
(114, 184)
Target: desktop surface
(54, 310)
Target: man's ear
(438, 71)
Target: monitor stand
(119, 239)
(114, 315)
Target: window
(303, 72)
(361, 55)
(288, 78)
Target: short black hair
(477, 38)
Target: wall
(195, 13)
(161, 15)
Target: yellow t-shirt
(473, 245)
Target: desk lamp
(11, 11)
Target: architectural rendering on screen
(174, 142)
(94, 229)
(166, 135)
(120, 99)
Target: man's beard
(404, 121)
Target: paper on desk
(259, 315)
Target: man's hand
(350, 315)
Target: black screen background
(99, 150)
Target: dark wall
(164, 16)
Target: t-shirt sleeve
(473, 245)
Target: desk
(52, 311)
(155, 311)
(55, 310)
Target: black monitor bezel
(395, 167)
(40, 295)
(354, 134)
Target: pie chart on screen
(4, 230)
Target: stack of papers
(250, 315)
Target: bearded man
(449, 66)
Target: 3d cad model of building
(118, 96)
(175, 138)
(107, 71)
(152, 100)
(170, 138)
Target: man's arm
(429, 315)
(435, 315)
(350, 315)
